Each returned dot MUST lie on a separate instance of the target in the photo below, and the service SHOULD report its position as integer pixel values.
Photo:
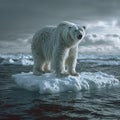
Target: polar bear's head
(72, 34)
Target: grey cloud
(108, 39)
(28, 15)
(20, 17)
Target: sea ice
(48, 83)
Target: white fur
(56, 48)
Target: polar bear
(55, 48)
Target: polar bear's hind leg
(38, 65)
(47, 67)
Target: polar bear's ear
(84, 27)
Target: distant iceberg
(49, 84)
(96, 60)
(18, 59)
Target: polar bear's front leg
(59, 61)
(72, 61)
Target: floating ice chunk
(48, 83)
(19, 59)
(8, 61)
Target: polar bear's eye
(76, 30)
(70, 27)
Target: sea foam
(49, 84)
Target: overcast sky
(21, 18)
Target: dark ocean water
(95, 104)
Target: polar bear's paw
(74, 74)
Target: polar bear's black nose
(79, 36)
